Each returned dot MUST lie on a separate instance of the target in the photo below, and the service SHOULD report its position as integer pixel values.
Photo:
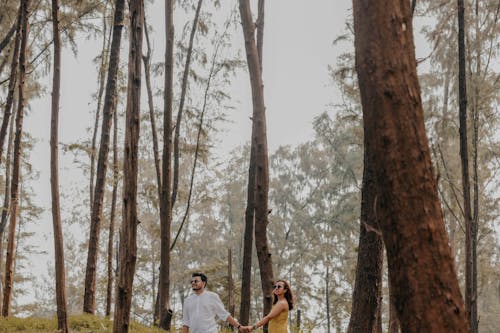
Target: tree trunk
(5, 41)
(406, 203)
(464, 158)
(185, 76)
(6, 205)
(16, 166)
(230, 282)
(165, 200)
(109, 108)
(102, 78)
(62, 317)
(327, 295)
(393, 318)
(128, 239)
(111, 233)
(366, 299)
(12, 81)
(259, 138)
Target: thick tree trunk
(259, 138)
(16, 166)
(62, 316)
(128, 239)
(406, 203)
(185, 76)
(12, 81)
(165, 200)
(366, 299)
(109, 108)
(111, 232)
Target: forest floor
(78, 324)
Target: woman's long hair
(288, 295)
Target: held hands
(246, 328)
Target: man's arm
(232, 321)
(185, 329)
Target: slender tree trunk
(128, 240)
(16, 167)
(5, 41)
(109, 108)
(230, 283)
(407, 205)
(394, 326)
(102, 78)
(475, 141)
(327, 296)
(165, 200)
(62, 317)
(246, 274)
(5, 210)
(185, 76)
(464, 158)
(366, 299)
(259, 138)
(12, 81)
(111, 233)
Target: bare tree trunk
(109, 108)
(259, 138)
(327, 296)
(5, 41)
(464, 158)
(407, 204)
(16, 167)
(165, 200)
(185, 76)
(366, 299)
(62, 317)
(102, 77)
(12, 81)
(230, 283)
(111, 233)
(246, 274)
(5, 210)
(128, 239)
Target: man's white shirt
(199, 312)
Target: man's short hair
(202, 276)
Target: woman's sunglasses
(278, 286)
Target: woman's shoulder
(283, 304)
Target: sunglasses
(278, 286)
(195, 281)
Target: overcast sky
(297, 50)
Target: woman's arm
(275, 311)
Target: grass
(78, 324)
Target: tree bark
(62, 316)
(16, 166)
(367, 294)
(407, 204)
(109, 108)
(111, 232)
(128, 239)
(12, 81)
(165, 200)
(259, 138)
(185, 76)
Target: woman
(278, 317)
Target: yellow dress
(279, 324)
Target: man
(201, 308)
